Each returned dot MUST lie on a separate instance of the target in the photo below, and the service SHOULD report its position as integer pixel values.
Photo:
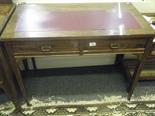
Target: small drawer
(45, 47)
(114, 45)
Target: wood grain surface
(75, 20)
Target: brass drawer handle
(115, 45)
(46, 48)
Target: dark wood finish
(32, 48)
(148, 69)
(41, 28)
(3, 83)
(114, 45)
(116, 28)
(25, 63)
(153, 50)
(119, 59)
(7, 82)
(16, 70)
(53, 47)
(34, 63)
(147, 73)
(139, 67)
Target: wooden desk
(62, 29)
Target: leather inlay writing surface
(33, 20)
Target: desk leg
(34, 63)
(9, 88)
(15, 69)
(26, 66)
(25, 62)
(119, 59)
(9, 91)
(139, 68)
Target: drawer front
(114, 45)
(45, 47)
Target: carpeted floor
(82, 91)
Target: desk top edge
(147, 32)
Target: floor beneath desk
(81, 86)
(76, 84)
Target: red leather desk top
(75, 20)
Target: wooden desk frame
(6, 12)
(20, 45)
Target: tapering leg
(34, 63)
(16, 70)
(12, 96)
(9, 85)
(25, 63)
(139, 68)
